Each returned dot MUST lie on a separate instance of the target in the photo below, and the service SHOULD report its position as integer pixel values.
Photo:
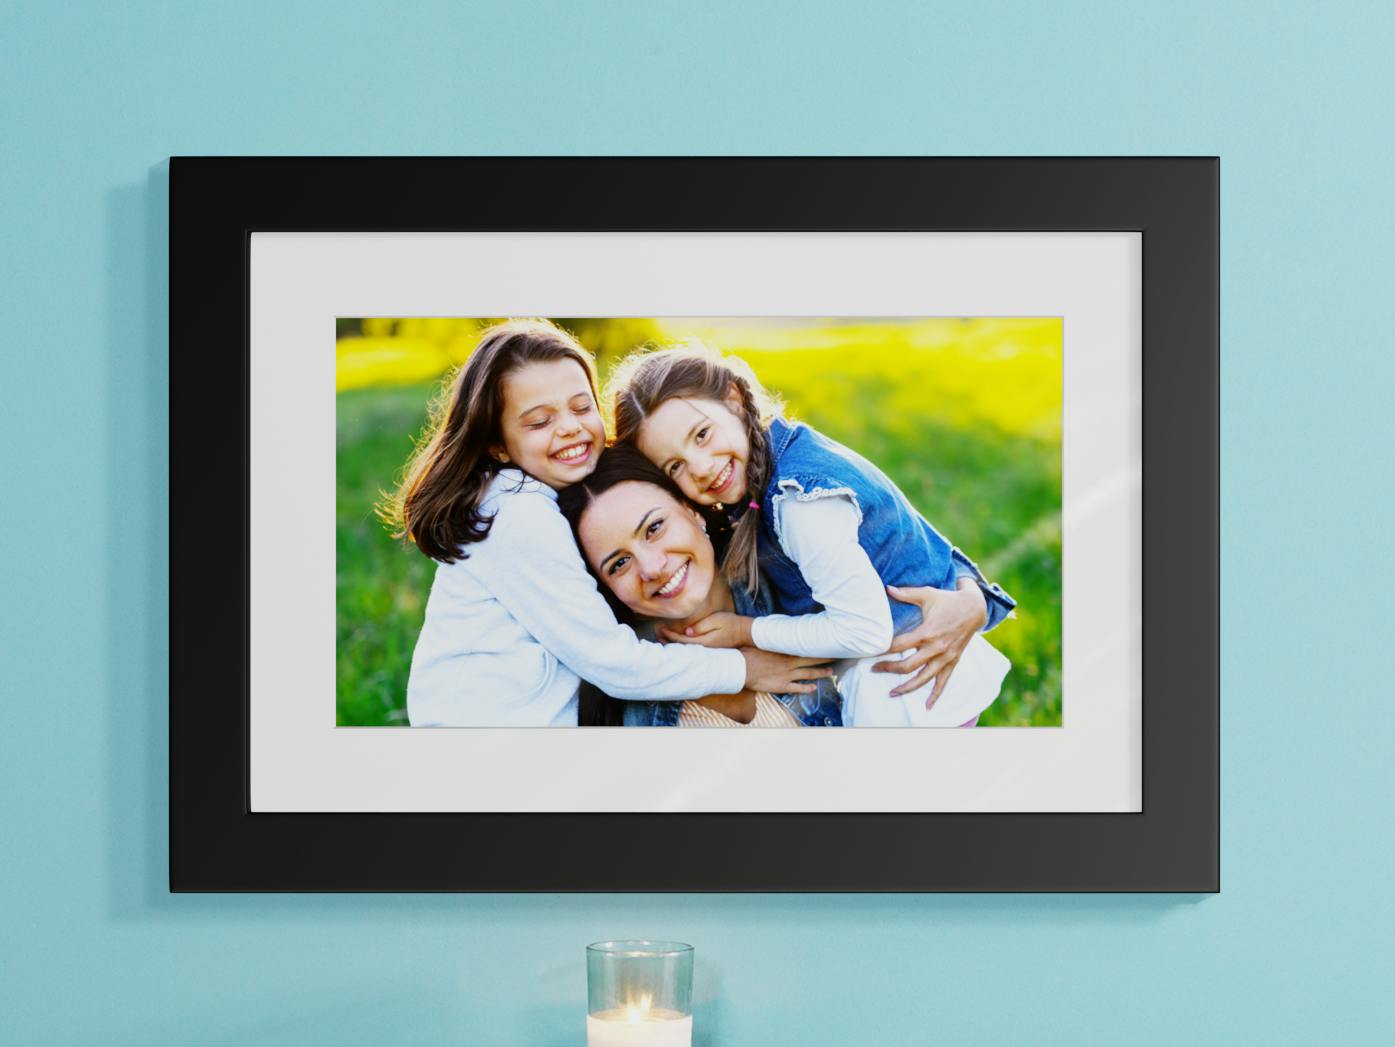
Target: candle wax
(658, 1027)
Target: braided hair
(647, 379)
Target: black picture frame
(218, 844)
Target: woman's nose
(651, 563)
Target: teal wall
(1296, 99)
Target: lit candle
(639, 1024)
(639, 994)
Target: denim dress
(823, 708)
(904, 548)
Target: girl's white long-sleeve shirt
(820, 535)
(512, 630)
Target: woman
(650, 551)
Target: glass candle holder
(639, 994)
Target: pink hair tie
(753, 505)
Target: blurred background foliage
(965, 415)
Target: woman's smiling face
(701, 445)
(550, 425)
(649, 550)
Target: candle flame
(640, 1013)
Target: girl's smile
(723, 481)
(574, 454)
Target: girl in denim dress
(830, 531)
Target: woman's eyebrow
(611, 556)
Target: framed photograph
(514, 466)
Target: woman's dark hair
(617, 465)
(647, 380)
(595, 708)
(437, 503)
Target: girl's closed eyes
(582, 405)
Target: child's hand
(719, 629)
(783, 673)
(948, 621)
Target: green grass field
(963, 415)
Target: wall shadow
(137, 467)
